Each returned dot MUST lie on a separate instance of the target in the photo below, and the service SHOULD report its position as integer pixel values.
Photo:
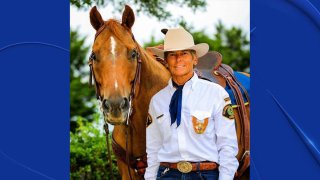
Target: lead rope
(106, 129)
(127, 153)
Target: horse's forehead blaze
(113, 44)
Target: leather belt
(185, 166)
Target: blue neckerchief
(175, 104)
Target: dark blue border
(34, 93)
(285, 133)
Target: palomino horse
(126, 77)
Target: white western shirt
(167, 143)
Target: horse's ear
(128, 17)
(95, 18)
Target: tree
(81, 95)
(233, 44)
(152, 8)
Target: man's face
(181, 63)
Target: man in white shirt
(191, 129)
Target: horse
(126, 77)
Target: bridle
(134, 84)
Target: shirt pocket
(201, 122)
(164, 123)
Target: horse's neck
(154, 76)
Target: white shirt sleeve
(154, 142)
(227, 143)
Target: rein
(134, 83)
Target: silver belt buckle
(184, 166)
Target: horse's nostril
(124, 104)
(106, 105)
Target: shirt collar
(191, 83)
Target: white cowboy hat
(179, 39)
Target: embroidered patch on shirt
(228, 112)
(149, 120)
(199, 126)
(227, 99)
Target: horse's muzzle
(115, 110)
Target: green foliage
(232, 43)
(88, 152)
(153, 8)
(87, 3)
(78, 53)
(81, 95)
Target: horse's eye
(133, 54)
(92, 56)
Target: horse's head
(114, 63)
